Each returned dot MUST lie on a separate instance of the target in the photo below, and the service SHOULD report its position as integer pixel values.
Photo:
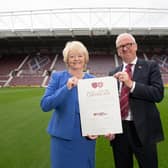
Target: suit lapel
(138, 69)
(118, 70)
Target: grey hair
(127, 35)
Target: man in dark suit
(142, 127)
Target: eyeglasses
(128, 46)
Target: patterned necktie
(124, 96)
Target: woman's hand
(92, 137)
(72, 82)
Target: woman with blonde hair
(68, 147)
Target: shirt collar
(133, 62)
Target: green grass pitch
(24, 142)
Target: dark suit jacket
(148, 91)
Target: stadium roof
(83, 22)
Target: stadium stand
(35, 70)
(8, 65)
(60, 65)
(100, 63)
(32, 71)
(30, 51)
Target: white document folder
(99, 106)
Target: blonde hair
(75, 45)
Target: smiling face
(75, 55)
(76, 59)
(126, 47)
